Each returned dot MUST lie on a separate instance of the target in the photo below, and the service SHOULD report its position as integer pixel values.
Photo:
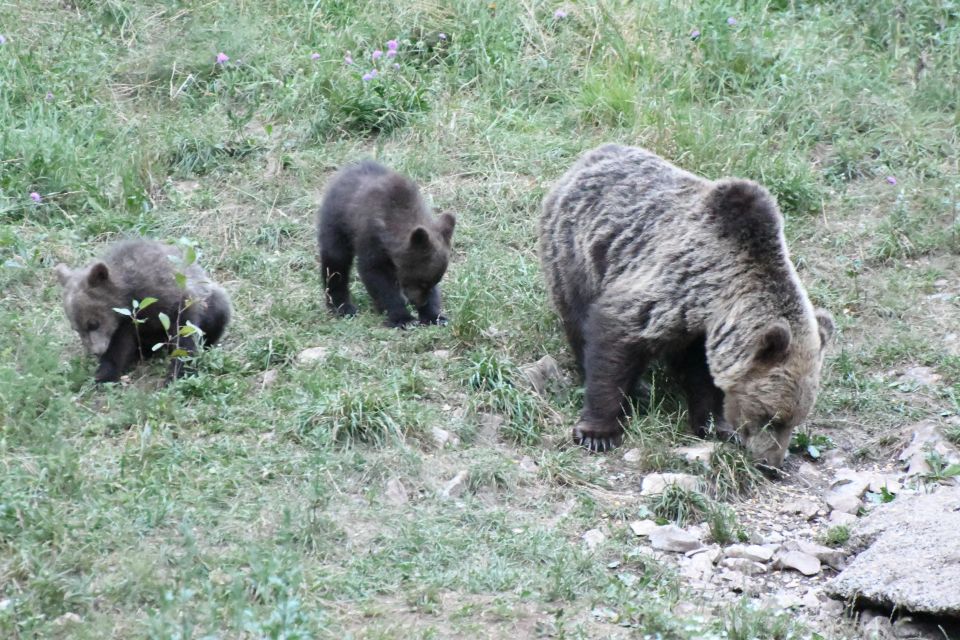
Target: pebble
(456, 486)
(643, 527)
(396, 493)
(670, 537)
(655, 483)
(312, 355)
(799, 561)
(593, 538)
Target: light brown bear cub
(137, 270)
(378, 216)
(646, 261)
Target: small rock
(811, 599)
(670, 537)
(842, 519)
(926, 438)
(655, 483)
(527, 465)
(542, 373)
(752, 552)
(806, 508)
(832, 608)
(877, 628)
(845, 502)
(490, 424)
(799, 561)
(826, 555)
(889, 482)
(713, 551)
(772, 538)
(312, 355)
(219, 577)
(744, 566)
(698, 453)
(593, 538)
(268, 378)
(785, 600)
(456, 486)
(632, 455)
(441, 354)
(920, 376)
(68, 618)
(442, 438)
(738, 582)
(697, 568)
(850, 482)
(396, 493)
(643, 527)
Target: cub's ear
(774, 343)
(64, 273)
(420, 238)
(99, 275)
(825, 322)
(447, 223)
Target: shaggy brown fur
(136, 270)
(646, 261)
(378, 216)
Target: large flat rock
(910, 558)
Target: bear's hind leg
(336, 258)
(611, 366)
(380, 279)
(704, 400)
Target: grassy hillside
(223, 506)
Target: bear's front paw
(440, 320)
(597, 438)
(346, 310)
(106, 372)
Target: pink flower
(695, 34)
(891, 180)
(347, 59)
(48, 97)
(732, 21)
(376, 54)
(392, 45)
(559, 14)
(35, 196)
(442, 36)
(222, 58)
(314, 56)
(391, 53)
(369, 75)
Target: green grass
(220, 506)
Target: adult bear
(647, 261)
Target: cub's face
(779, 391)
(423, 261)
(88, 299)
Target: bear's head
(421, 260)
(778, 388)
(89, 297)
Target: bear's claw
(596, 440)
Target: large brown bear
(646, 261)
(377, 216)
(138, 270)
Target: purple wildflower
(347, 59)
(48, 97)
(559, 14)
(222, 58)
(314, 56)
(891, 180)
(396, 65)
(695, 34)
(369, 75)
(35, 196)
(3, 40)
(392, 45)
(442, 36)
(732, 21)
(376, 54)
(391, 53)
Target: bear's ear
(447, 223)
(774, 343)
(825, 323)
(64, 273)
(420, 238)
(99, 275)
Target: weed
(810, 444)
(492, 380)
(735, 475)
(745, 622)
(679, 505)
(836, 536)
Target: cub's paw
(597, 438)
(440, 320)
(346, 310)
(402, 322)
(106, 372)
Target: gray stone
(670, 537)
(826, 555)
(697, 453)
(850, 482)
(396, 493)
(876, 628)
(456, 486)
(844, 502)
(910, 560)
(697, 568)
(593, 538)
(797, 560)
(442, 438)
(655, 483)
(268, 378)
(542, 374)
(744, 566)
(806, 508)
(643, 527)
(632, 455)
(841, 519)
(753, 552)
(312, 355)
(926, 437)
(527, 465)
(920, 376)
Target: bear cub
(645, 261)
(378, 216)
(137, 270)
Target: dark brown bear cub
(138, 270)
(378, 216)
(646, 261)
